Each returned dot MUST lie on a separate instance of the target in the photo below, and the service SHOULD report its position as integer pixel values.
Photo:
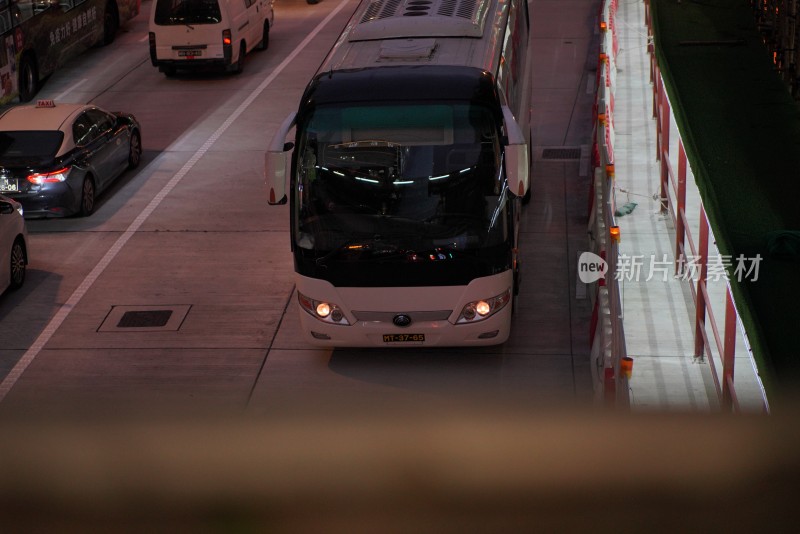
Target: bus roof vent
(407, 49)
(396, 19)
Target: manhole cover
(144, 319)
(161, 317)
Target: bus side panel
(56, 35)
(8, 68)
(513, 77)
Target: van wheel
(239, 67)
(264, 44)
(168, 71)
(28, 78)
(312, 1)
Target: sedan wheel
(87, 197)
(135, 154)
(17, 264)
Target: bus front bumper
(492, 331)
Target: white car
(13, 245)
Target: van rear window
(179, 12)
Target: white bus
(409, 160)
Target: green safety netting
(741, 131)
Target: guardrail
(611, 366)
(673, 195)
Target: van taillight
(227, 49)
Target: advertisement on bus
(41, 35)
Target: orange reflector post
(601, 117)
(610, 169)
(614, 233)
(603, 26)
(271, 195)
(521, 191)
(626, 367)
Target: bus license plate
(8, 184)
(403, 338)
(189, 54)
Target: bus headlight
(326, 312)
(483, 309)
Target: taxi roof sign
(42, 103)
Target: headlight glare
(327, 312)
(323, 309)
(483, 309)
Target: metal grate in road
(145, 318)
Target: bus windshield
(399, 181)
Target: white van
(192, 34)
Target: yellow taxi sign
(45, 103)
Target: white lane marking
(62, 313)
(70, 89)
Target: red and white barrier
(606, 336)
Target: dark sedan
(55, 158)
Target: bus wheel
(110, 23)
(87, 197)
(28, 78)
(264, 44)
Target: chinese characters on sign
(636, 268)
(70, 27)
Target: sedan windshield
(29, 145)
(399, 181)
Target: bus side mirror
(277, 163)
(516, 155)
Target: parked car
(56, 158)
(13, 245)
